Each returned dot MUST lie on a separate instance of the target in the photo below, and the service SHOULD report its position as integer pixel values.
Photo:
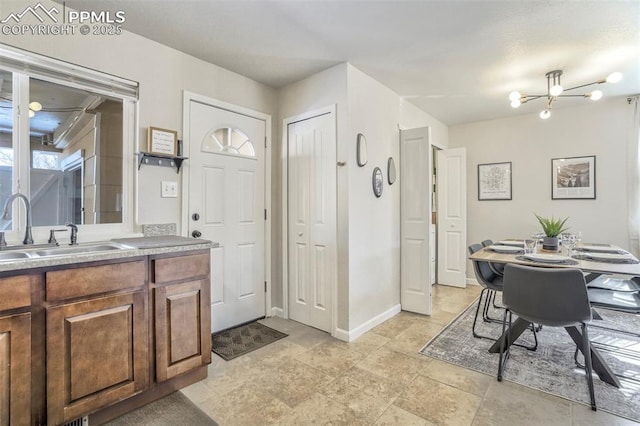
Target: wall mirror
(68, 154)
(391, 171)
(361, 150)
(378, 182)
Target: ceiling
(456, 60)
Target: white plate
(600, 248)
(544, 257)
(609, 256)
(517, 243)
(505, 249)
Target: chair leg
(504, 354)
(475, 319)
(586, 345)
(487, 305)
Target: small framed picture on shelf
(573, 178)
(162, 141)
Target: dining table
(594, 259)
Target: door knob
(299, 234)
(195, 216)
(196, 234)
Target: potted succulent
(552, 228)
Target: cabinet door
(182, 328)
(97, 354)
(15, 370)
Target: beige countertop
(142, 246)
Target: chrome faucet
(74, 234)
(28, 239)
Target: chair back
(486, 243)
(484, 274)
(549, 296)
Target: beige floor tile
(368, 342)
(198, 392)
(584, 416)
(395, 416)
(320, 410)
(367, 394)
(439, 403)
(291, 381)
(246, 405)
(393, 365)
(458, 377)
(509, 405)
(226, 376)
(397, 324)
(332, 358)
(414, 337)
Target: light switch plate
(169, 189)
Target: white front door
(415, 214)
(226, 205)
(311, 215)
(452, 217)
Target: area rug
(173, 409)
(232, 343)
(552, 368)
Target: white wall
(368, 227)
(325, 88)
(163, 73)
(530, 143)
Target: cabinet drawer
(69, 283)
(15, 292)
(188, 267)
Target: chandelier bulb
(515, 96)
(614, 77)
(515, 103)
(555, 90)
(31, 113)
(545, 114)
(595, 95)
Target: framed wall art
(162, 141)
(573, 178)
(494, 181)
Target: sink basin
(14, 255)
(80, 249)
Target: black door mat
(232, 343)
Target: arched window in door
(228, 140)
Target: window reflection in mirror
(76, 140)
(6, 135)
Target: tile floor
(379, 379)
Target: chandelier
(555, 91)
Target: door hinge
(265, 214)
(265, 286)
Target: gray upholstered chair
(486, 243)
(490, 282)
(615, 283)
(551, 297)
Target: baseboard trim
(350, 336)
(472, 281)
(277, 312)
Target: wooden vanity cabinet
(15, 351)
(97, 341)
(181, 298)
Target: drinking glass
(570, 243)
(530, 245)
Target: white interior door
(226, 205)
(415, 214)
(312, 220)
(452, 217)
